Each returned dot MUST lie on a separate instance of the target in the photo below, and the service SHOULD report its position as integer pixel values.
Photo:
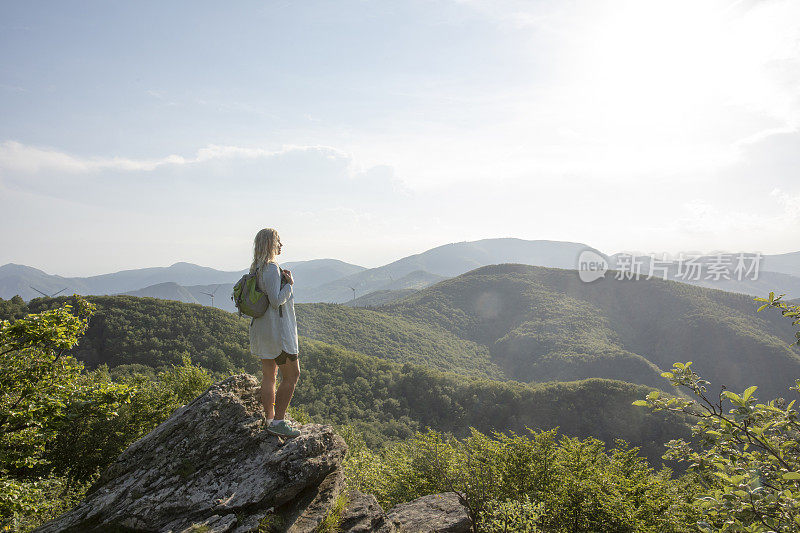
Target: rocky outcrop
(435, 513)
(439, 513)
(212, 467)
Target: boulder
(364, 514)
(439, 513)
(213, 467)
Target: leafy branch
(746, 453)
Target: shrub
(746, 453)
(527, 481)
(43, 392)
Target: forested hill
(383, 399)
(382, 370)
(509, 321)
(152, 332)
(543, 324)
(388, 400)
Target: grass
(333, 518)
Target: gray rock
(439, 513)
(309, 508)
(212, 467)
(363, 514)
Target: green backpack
(249, 299)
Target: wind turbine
(211, 294)
(354, 293)
(45, 294)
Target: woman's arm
(271, 278)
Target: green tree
(85, 447)
(42, 391)
(14, 308)
(41, 388)
(746, 453)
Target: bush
(511, 516)
(61, 426)
(746, 453)
(88, 445)
(530, 481)
(42, 393)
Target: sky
(138, 134)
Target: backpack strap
(258, 278)
(280, 272)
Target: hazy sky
(138, 134)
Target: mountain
(395, 289)
(306, 273)
(387, 399)
(316, 272)
(785, 263)
(383, 399)
(542, 324)
(335, 291)
(331, 280)
(520, 322)
(395, 338)
(413, 280)
(18, 279)
(762, 286)
(378, 298)
(451, 260)
(454, 259)
(788, 263)
(318, 280)
(222, 295)
(758, 282)
(166, 291)
(181, 273)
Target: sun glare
(677, 68)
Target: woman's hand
(287, 275)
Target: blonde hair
(265, 247)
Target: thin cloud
(763, 135)
(16, 157)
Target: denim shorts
(283, 358)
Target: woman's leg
(269, 371)
(290, 373)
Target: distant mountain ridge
(544, 324)
(166, 291)
(452, 260)
(788, 263)
(759, 281)
(18, 279)
(334, 281)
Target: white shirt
(271, 333)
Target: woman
(273, 336)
